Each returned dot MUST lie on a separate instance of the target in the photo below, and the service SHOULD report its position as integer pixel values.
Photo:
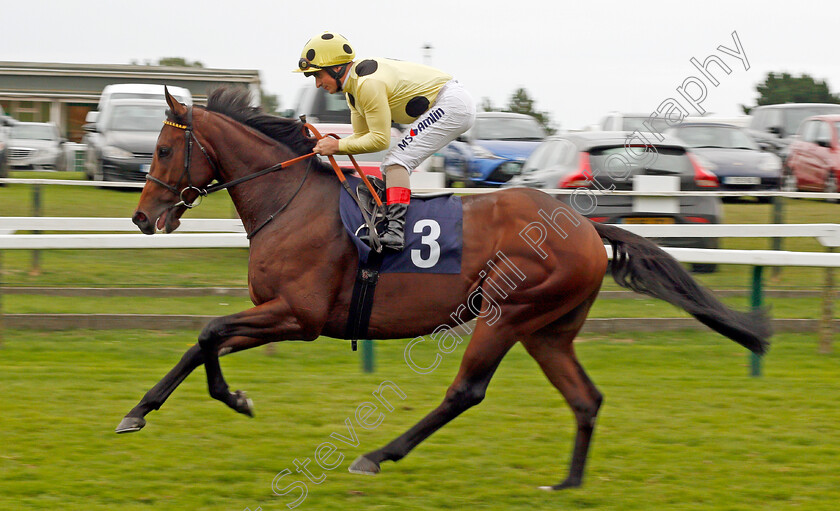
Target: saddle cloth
(433, 233)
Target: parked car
(814, 160)
(493, 150)
(588, 160)
(734, 157)
(5, 122)
(120, 146)
(135, 91)
(319, 106)
(775, 125)
(616, 121)
(369, 162)
(4, 172)
(35, 146)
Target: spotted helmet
(325, 51)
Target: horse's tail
(642, 266)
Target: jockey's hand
(326, 146)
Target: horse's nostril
(139, 217)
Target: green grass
(801, 308)
(683, 427)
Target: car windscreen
(378, 156)
(33, 132)
(645, 124)
(795, 116)
(144, 95)
(625, 161)
(551, 153)
(507, 128)
(715, 136)
(137, 117)
(330, 108)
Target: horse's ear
(177, 108)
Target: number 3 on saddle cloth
(433, 244)
(433, 232)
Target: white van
(136, 91)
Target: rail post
(827, 322)
(756, 301)
(778, 217)
(36, 212)
(367, 356)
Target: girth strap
(361, 302)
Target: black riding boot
(394, 235)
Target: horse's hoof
(243, 403)
(131, 424)
(561, 486)
(364, 466)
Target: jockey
(434, 106)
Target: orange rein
(336, 168)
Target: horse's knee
(463, 396)
(586, 410)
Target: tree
(521, 103)
(178, 62)
(486, 105)
(270, 102)
(783, 88)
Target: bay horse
(303, 264)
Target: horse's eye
(164, 151)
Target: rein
(189, 138)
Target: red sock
(397, 195)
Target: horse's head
(178, 176)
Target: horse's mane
(235, 102)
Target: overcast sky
(578, 60)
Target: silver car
(35, 146)
(592, 160)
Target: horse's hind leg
(552, 348)
(481, 358)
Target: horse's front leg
(271, 321)
(157, 395)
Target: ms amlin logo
(433, 117)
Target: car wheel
(98, 172)
(831, 184)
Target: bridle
(189, 138)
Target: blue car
(493, 150)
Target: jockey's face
(324, 81)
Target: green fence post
(36, 212)
(367, 356)
(756, 301)
(778, 218)
(827, 321)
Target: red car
(813, 163)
